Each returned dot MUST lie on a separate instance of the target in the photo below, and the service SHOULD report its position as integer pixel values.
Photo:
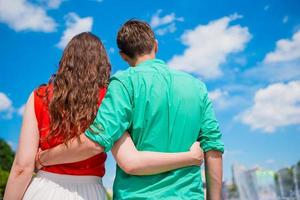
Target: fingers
(38, 166)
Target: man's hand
(197, 153)
(38, 164)
(76, 150)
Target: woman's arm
(136, 162)
(23, 165)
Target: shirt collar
(150, 62)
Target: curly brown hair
(83, 70)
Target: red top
(93, 166)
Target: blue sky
(247, 52)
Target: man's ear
(155, 46)
(124, 56)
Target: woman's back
(57, 113)
(93, 166)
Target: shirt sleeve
(113, 117)
(210, 135)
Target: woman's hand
(197, 153)
(136, 162)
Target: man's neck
(141, 59)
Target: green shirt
(166, 111)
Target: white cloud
(6, 108)
(209, 45)
(282, 64)
(54, 3)
(171, 28)
(5, 102)
(164, 24)
(275, 106)
(75, 25)
(286, 50)
(217, 94)
(220, 98)
(223, 100)
(22, 15)
(157, 21)
(20, 110)
(285, 19)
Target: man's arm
(213, 174)
(114, 115)
(112, 120)
(210, 140)
(76, 150)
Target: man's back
(168, 115)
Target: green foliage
(276, 177)
(3, 179)
(6, 160)
(233, 191)
(6, 155)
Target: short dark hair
(135, 38)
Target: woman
(60, 111)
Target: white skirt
(46, 186)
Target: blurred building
(284, 183)
(296, 173)
(254, 184)
(260, 184)
(287, 182)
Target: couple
(149, 116)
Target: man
(164, 110)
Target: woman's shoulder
(42, 95)
(42, 90)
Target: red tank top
(93, 166)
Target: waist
(82, 171)
(62, 178)
(94, 166)
(184, 183)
